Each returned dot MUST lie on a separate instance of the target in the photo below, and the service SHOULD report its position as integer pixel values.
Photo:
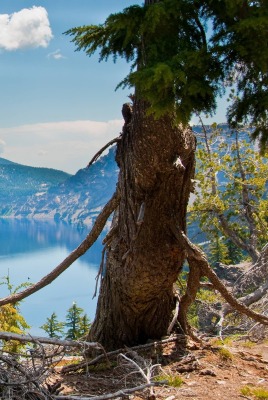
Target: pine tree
(180, 66)
(218, 251)
(84, 325)
(76, 322)
(231, 195)
(177, 69)
(53, 327)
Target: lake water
(31, 249)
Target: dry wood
(175, 316)
(56, 342)
(99, 153)
(73, 256)
(119, 393)
(250, 298)
(84, 364)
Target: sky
(57, 106)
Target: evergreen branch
(246, 203)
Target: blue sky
(57, 106)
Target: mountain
(42, 193)
(18, 182)
(3, 161)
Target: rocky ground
(232, 369)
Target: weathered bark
(45, 340)
(144, 258)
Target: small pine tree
(234, 252)
(73, 322)
(84, 325)
(218, 251)
(53, 327)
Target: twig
(78, 252)
(119, 393)
(12, 363)
(99, 153)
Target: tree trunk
(144, 258)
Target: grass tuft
(172, 380)
(225, 354)
(259, 393)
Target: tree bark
(156, 160)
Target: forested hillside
(18, 182)
(42, 193)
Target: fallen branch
(250, 298)
(99, 153)
(78, 252)
(119, 393)
(85, 364)
(57, 342)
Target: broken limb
(73, 256)
(196, 255)
(45, 340)
(247, 300)
(99, 153)
(84, 364)
(119, 394)
(175, 316)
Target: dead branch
(175, 316)
(256, 274)
(85, 364)
(119, 393)
(12, 363)
(196, 255)
(56, 342)
(99, 153)
(73, 256)
(100, 271)
(250, 298)
(139, 366)
(21, 379)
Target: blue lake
(31, 249)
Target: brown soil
(207, 371)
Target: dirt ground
(209, 370)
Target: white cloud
(42, 152)
(65, 145)
(56, 55)
(27, 28)
(2, 146)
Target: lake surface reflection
(31, 249)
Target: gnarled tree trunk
(144, 258)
